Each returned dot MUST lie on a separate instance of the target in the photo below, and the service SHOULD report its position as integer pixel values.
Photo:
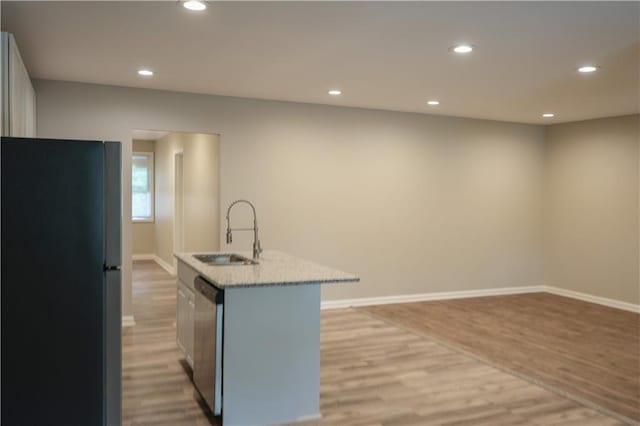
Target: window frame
(152, 187)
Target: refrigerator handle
(113, 203)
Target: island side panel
(271, 364)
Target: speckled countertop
(274, 269)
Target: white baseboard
(164, 265)
(308, 418)
(128, 321)
(593, 299)
(149, 256)
(167, 267)
(423, 297)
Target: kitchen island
(270, 334)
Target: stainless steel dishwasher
(207, 344)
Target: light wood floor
(156, 387)
(587, 350)
(372, 373)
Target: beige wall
(143, 233)
(412, 203)
(591, 208)
(165, 151)
(201, 192)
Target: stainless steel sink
(224, 259)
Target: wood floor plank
(372, 374)
(587, 350)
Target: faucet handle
(257, 249)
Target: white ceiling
(383, 55)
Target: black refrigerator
(60, 282)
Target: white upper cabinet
(17, 93)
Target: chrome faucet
(257, 248)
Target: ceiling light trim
(462, 48)
(195, 5)
(146, 72)
(588, 69)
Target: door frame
(178, 205)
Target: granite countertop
(274, 269)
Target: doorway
(175, 195)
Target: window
(142, 187)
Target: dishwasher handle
(208, 290)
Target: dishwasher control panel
(208, 290)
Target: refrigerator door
(53, 282)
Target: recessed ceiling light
(462, 48)
(335, 92)
(433, 102)
(145, 72)
(548, 115)
(195, 5)
(588, 68)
